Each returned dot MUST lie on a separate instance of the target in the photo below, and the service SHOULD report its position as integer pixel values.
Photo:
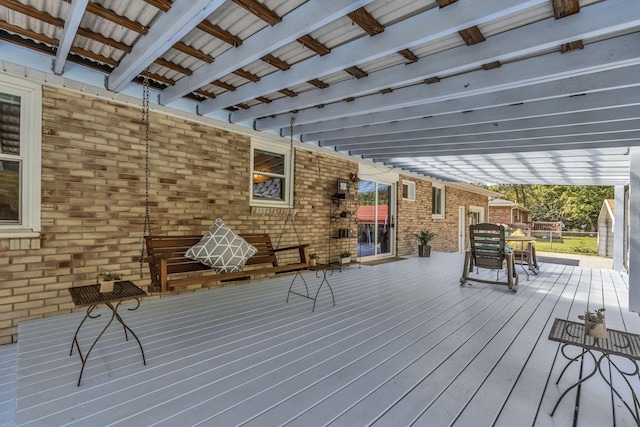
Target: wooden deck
(404, 345)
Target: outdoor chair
(488, 250)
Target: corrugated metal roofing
(517, 53)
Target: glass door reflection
(375, 219)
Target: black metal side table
(90, 296)
(321, 270)
(617, 343)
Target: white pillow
(221, 249)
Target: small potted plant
(345, 213)
(107, 280)
(424, 237)
(594, 323)
(345, 257)
(313, 259)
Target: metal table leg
(114, 315)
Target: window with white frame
(271, 180)
(476, 215)
(20, 156)
(437, 201)
(409, 190)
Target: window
(271, 180)
(20, 151)
(409, 190)
(476, 215)
(437, 201)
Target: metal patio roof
(479, 91)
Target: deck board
(402, 346)
(8, 380)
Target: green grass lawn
(569, 245)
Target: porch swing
(171, 269)
(291, 211)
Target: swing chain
(145, 119)
(290, 212)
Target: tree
(577, 206)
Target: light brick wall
(93, 200)
(413, 216)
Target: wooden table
(532, 262)
(321, 270)
(90, 296)
(618, 343)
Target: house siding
(93, 200)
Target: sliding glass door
(376, 224)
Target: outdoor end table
(321, 271)
(90, 296)
(533, 262)
(617, 343)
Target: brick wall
(413, 216)
(93, 200)
(500, 215)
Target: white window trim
(479, 210)
(411, 190)
(443, 198)
(273, 147)
(30, 155)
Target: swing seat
(170, 269)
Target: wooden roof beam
(548, 73)
(276, 62)
(305, 19)
(419, 29)
(163, 5)
(246, 75)
(173, 66)
(356, 72)
(28, 34)
(564, 8)
(318, 83)
(366, 21)
(191, 51)
(223, 85)
(205, 93)
(218, 32)
(598, 20)
(471, 35)
(110, 15)
(168, 30)
(259, 10)
(443, 3)
(158, 78)
(574, 45)
(32, 12)
(313, 44)
(96, 57)
(45, 17)
(288, 92)
(408, 55)
(104, 40)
